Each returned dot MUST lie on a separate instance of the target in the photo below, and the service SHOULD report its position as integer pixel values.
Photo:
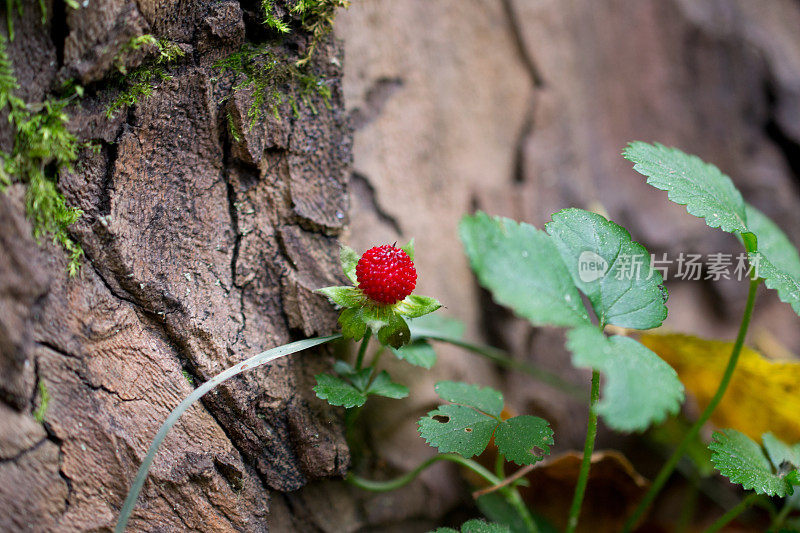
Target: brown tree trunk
(200, 250)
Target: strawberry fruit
(386, 274)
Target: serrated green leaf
(395, 333)
(383, 385)
(484, 399)
(349, 259)
(517, 437)
(523, 270)
(353, 323)
(360, 379)
(741, 460)
(776, 260)
(612, 270)
(409, 249)
(788, 286)
(475, 526)
(414, 306)
(417, 353)
(338, 392)
(457, 428)
(779, 452)
(343, 296)
(704, 190)
(639, 389)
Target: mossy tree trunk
(203, 239)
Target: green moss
(44, 399)
(17, 5)
(273, 78)
(43, 147)
(140, 82)
(188, 377)
(316, 17)
(270, 19)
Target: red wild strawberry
(386, 274)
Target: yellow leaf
(762, 396)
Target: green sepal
(344, 296)
(349, 259)
(353, 324)
(415, 306)
(395, 333)
(409, 249)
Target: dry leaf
(763, 395)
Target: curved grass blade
(256, 360)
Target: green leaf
(742, 461)
(704, 190)
(418, 353)
(484, 399)
(475, 526)
(383, 385)
(414, 306)
(344, 296)
(779, 452)
(457, 428)
(640, 388)
(395, 333)
(517, 437)
(349, 259)
(788, 286)
(409, 249)
(610, 269)
(523, 270)
(776, 260)
(497, 509)
(439, 326)
(353, 323)
(338, 392)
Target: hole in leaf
(443, 419)
(468, 430)
(538, 452)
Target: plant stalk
(733, 513)
(669, 466)
(511, 494)
(588, 448)
(363, 350)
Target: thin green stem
(511, 494)
(362, 350)
(500, 465)
(778, 519)
(669, 466)
(588, 448)
(503, 359)
(733, 513)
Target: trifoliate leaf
(414, 306)
(475, 526)
(704, 190)
(353, 323)
(780, 453)
(349, 259)
(484, 399)
(409, 249)
(524, 439)
(418, 353)
(610, 269)
(523, 270)
(763, 395)
(457, 428)
(383, 385)
(742, 461)
(640, 389)
(338, 392)
(344, 296)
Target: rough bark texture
(201, 250)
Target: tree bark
(200, 250)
